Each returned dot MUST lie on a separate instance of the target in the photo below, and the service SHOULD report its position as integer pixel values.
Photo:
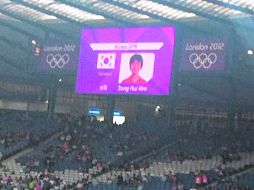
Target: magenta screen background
(89, 82)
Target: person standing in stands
(46, 184)
(204, 180)
(38, 186)
(120, 179)
(198, 180)
(136, 64)
(31, 183)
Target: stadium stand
(178, 160)
(126, 95)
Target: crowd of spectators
(232, 180)
(197, 138)
(40, 182)
(19, 130)
(83, 143)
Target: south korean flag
(106, 61)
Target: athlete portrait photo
(136, 68)
(136, 64)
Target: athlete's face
(135, 67)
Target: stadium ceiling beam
(27, 79)
(13, 64)
(152, 15)
(18, 66)
(84, 7)
(19, 30)
(43, 27)
(206, 91)
(48, 12)
(34, 79)
(13, 45)
(171, 3)
(191, 100)
(231, 6)
(248, 83)
(228, 22)
(133, 9)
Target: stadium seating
(96, 154)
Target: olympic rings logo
(58, 60)
(202, 60)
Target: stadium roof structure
(22, 21)
(37, 18)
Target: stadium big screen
(136, 60)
